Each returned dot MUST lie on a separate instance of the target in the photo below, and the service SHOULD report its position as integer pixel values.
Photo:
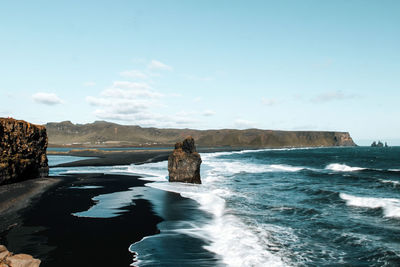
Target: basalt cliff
(22, 150)
(101, 133)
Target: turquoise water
(66, 149)
(58, 159)
(283, 207)
(299, 207)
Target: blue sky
(289, 65)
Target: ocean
(269, 207)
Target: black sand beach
(37, 217)
(47, 230)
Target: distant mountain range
(107, 134)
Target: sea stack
(184, 163)
(22, 150)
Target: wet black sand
(40, 222)
(16, 196)
(47, 230)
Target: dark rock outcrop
(184, 163)
(22, 150)
(8, 259)
(379, 144)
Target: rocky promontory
(22, 150)
(8, 259)
(184, 163)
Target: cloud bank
(46, 98)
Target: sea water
(282, 207)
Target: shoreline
(55, 229)
(48, 230)
(44, 221)
(114, 158)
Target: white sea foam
(390, 206)
(230, 238)
(394, 170)
(286, 168)
(395, 183)
(342, 168)
(237, 242)
(232, 167)
(156, 172)
(217, 154)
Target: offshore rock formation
(379, 144)
(8, 259)
(22, 150)
(184, 163)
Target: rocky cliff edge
(22, 150)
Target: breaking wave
(343, 168)
(390, 206)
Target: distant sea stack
(184, 163)
(23, 150)
(379, 144)
(107, 134)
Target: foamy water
(343, 168)
(278, 207)
(251, 243)
(390, 206)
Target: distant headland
(107, 134)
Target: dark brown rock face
(184, 163)
(22, 150)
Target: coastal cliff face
(22, 150)
(184, 163)
(104, 133)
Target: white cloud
(124, 98)
(134, 103)
(269, 101)
(47, 98)
(133, 93)
(133, 74)
(130, 90)
(119, 105)
(208, 113)
(89, 84)
(146, 118)
(244, 124)
(130, 85)
(157, 65)
(331, 96)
